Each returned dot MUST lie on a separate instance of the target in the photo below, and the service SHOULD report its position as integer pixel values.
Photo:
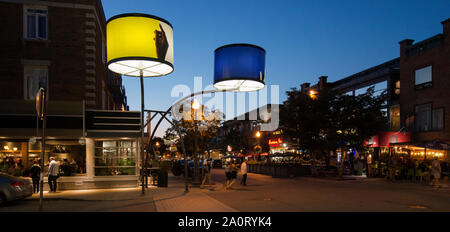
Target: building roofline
(387, 64)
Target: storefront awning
(386, 138)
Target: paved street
(263, 193)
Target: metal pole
(186, 185)
(142, 133)
(195, 180)
(44, 122)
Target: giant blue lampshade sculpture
(139, 45)
(239, 67)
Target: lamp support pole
(44, 122)
(143, 171)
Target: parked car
(14, 188)
(179, 168)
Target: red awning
(385, 138)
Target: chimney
(446, 27)
(322, 82)
(405, 43)
(304, 87)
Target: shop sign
(275, 142)
(372, 142)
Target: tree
(331, 120)
(354, 119)
(158, 146)
(236, 140)
(204, 128)
(306, 119)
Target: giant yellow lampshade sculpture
(139, 45)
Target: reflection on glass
(115, 158)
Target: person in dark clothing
(35, 176)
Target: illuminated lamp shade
(139, 42)
(239, 67)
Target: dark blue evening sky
(303, 39)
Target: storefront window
(114, 157)
(16, 158)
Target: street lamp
(237, 67)
(313, 94)
(258, 134)
(139, 45)
(196, 178)
(195, 104)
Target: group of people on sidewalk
(431, 172)
(53, 175)
(231, 173)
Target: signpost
(41, 107)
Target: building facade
(425, 84)
(417, 103)
(59, 45)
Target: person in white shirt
(244, 173)
(53, 174)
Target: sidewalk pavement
(170, 199)
(174, 199)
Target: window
(35, 77)
(114, 157)
(438, 119)
(36, 23)
(423, 77)
(428, 119)
(394, 118)
(423, 117)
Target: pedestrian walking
(436, 171)
(35, 174)
(207, 177)
(244, 173)
(53, 174)
(228, 174)
(233, 175)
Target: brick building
(417, 108)
(425, 86)
(60, 45)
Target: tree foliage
(199, 124)
(332, 120)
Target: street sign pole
(41, 108)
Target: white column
(90, 160)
